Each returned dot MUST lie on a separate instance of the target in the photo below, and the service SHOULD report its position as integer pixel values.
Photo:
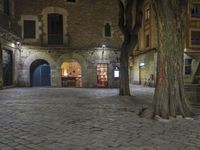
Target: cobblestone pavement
(88, 119)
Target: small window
(147, 14)
(6, 7)
(188, 66)
(195, 37)
(195, 10)
(72, 1)
(107, 29)
(29, 29)
(147, 40)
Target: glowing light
(142, 64)
(103, 46)
(65, 73)
(12, 45)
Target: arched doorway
(40, 73)
(71, 74)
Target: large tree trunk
(130, 31)
(124, 75)
(169, 98)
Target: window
(55, 29)
(195, 37)
(6, 6)
(107, 30)
(147, 13)
(188, 66)
(195, 10)
(29, 29)
(73, 1)
(147, 40)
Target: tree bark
(169, 97)
(130, 31)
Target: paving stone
(88, 119)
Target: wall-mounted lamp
(18, 43)
(142, 64)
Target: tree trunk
(1, 70)
(169, 98)
(130, 31)
(124, 75)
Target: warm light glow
(12, 45)
(65, 73)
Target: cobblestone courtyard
(88, 119)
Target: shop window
(107, 30)
(6, 7)
(29, 29)
(195, 10)
(188, 66)
(195, 37)
(102, 75)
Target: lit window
(147, 13)
(107, 30)
(195, 10)
(29, 29)
(195, 37)
(188, 66)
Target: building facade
(9, 52)
(143, 63)
(65, 43)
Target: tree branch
(121, 17)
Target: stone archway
(77, 58)
(40, 73)
(25, 72)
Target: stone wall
(88, 59)
(83, 21)
(149, 62)
(192, 92)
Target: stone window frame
(37, 31)
(44, 19)
(189, 9)
(147, 13)
(190, 38)
(111, 28)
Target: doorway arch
(71, 74)
(40, 73)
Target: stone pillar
(1, 67)
(56, 77)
